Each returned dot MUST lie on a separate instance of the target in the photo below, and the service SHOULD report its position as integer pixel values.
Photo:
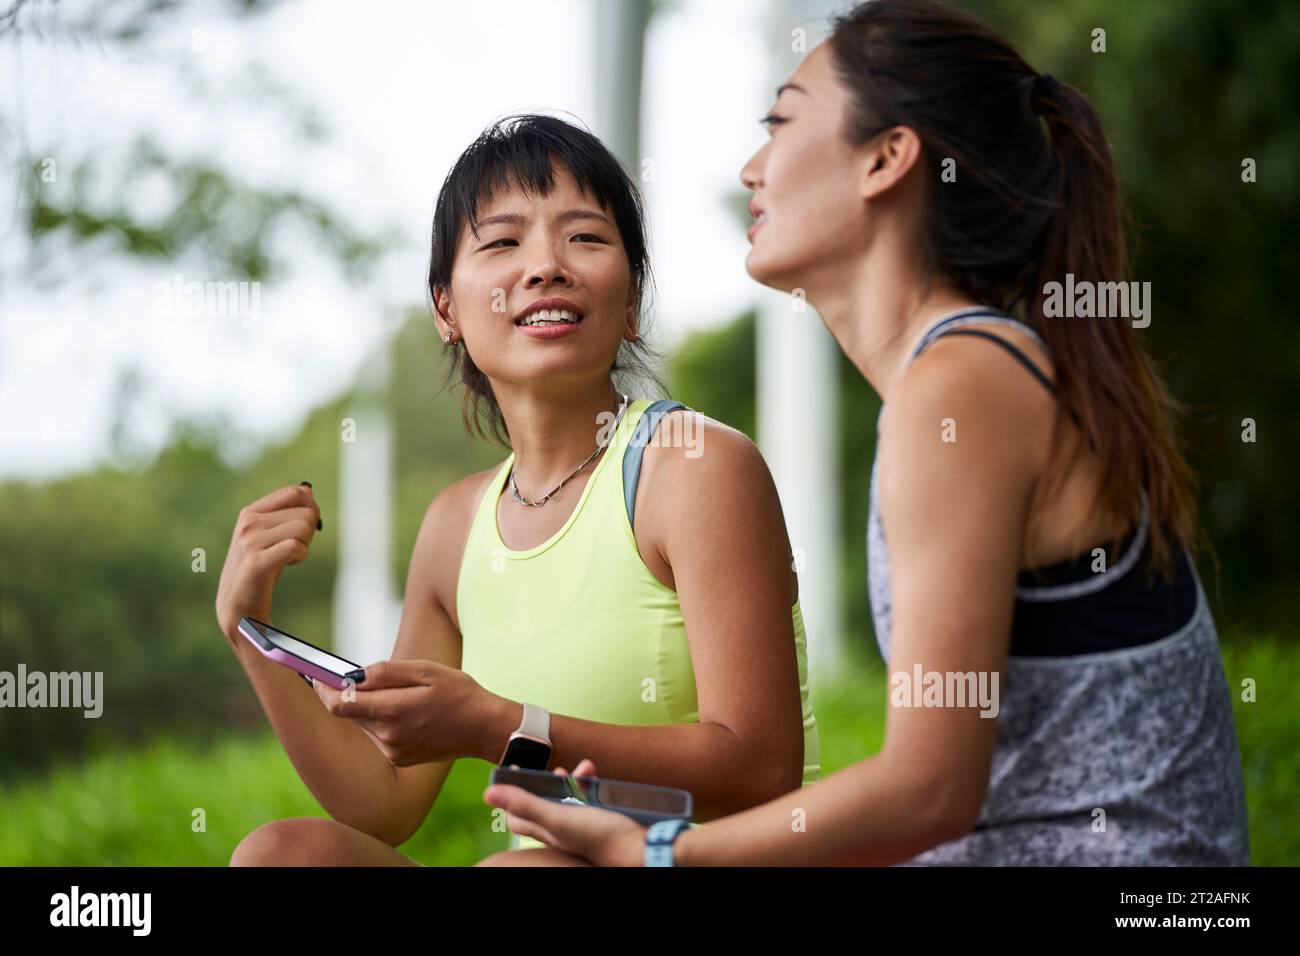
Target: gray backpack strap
(645, 429)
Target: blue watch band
(659, 841)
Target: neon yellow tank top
(578, 624)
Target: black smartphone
(643, 802)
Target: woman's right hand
(272, 532)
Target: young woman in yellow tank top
(621, 594)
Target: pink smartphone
(312, 662)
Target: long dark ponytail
(1035, 198)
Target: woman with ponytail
(1056, 691)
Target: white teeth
(761, 217)
(549, 317)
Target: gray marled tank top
(1144, 733)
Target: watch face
(526, 754)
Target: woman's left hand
(416, 711)
(602, 837)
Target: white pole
(797, 399)
(620, 44)
(367, 609)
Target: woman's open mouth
(550, 323)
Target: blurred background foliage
(1187, 90)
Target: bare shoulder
(967, 416)
(692, 450)
(703, 479)
(1027, 344)
(982, 362)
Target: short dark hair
(522, 150)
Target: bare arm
(337, 761)
(955, 515)
(335, 758)
(427, 632)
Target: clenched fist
(271, 532)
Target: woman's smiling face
(806, 180)
(531, 248)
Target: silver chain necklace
(514, 490)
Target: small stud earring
(447, 337)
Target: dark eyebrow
(789, 86)
(573, 215)
(505, 218)
(514, 219)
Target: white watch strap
(536, 722)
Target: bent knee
(297, 841)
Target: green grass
(1269, 733)
(137, 808)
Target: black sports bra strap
(1020, 356)
(1024, 360)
